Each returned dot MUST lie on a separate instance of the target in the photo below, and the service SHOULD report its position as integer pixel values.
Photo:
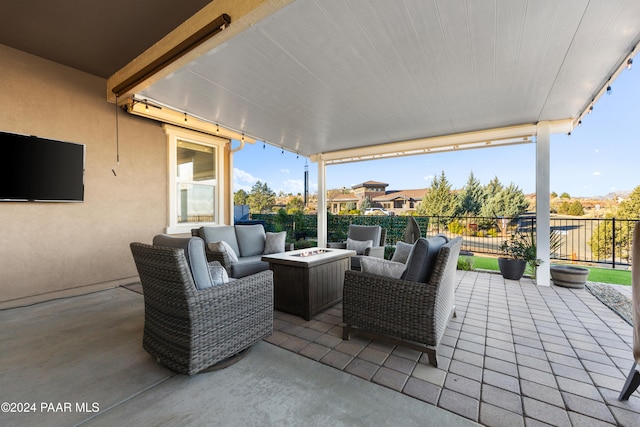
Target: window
(195, 179)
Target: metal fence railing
(604, 241)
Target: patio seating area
(516, 354)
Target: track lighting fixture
(629, 63)
(609, 90)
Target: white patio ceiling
(324, 76)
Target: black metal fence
(604, 241)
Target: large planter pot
(569, 276)
(512, 268)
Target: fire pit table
(308, 281)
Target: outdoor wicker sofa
(192, 323)
(413, 310)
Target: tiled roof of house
(415, 194)
(370, 184)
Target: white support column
(543, 216)
(322, 204)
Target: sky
(600, 157)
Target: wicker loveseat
(244, 246)
(413, 310)
(191, 323)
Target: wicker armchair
(409, 313)
(633, 379)
(359, 233)
(189, 329)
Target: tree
(261, 198)
(564, 208)
(630, 207)
(510, 202)
(565, 195)
(492, 188)
(471, 198)
(295, 205)
(366, 203)
(576, 209)
(439, 201)
(240, 197)
(602, 244)
(553, 195)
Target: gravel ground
(616, 301)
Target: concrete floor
(79, 361)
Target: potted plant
(519, 251)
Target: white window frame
(174, 134)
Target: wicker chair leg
(632, 383)
(346, 333)
(433, 360)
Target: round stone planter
(569, 276)
(512, 268)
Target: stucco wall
(50, 247)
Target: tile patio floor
(516, 354)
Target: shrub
(455, 227)
(492, 232)
(465, 263)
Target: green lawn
(601, 275)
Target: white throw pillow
(382, 267)
(223, 246)
(274, 242)
(402, 252)
(359, 245)
(218, 273)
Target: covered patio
(336, 81)
(517, 354)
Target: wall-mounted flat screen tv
(40, 170)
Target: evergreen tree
(471, 198)
(576, 209)
(509, 203)
(439, 200)
(261, 198)
(492, 188)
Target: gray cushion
(248, 265)
(422, 258)
(382, 267)
(358, 245)
(223, 246)
(274, 242)
(251, 239)
(194, 253)
(365, 232)
(226, 233)
(401, 254)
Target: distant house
(396, 201)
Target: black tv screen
(38, 169)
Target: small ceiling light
(217, 129)
(282, 152)
(579, 122)
(264, 146)
(146, 105)
(242, 137)
(629, 63)
(590, 108)
(185, 117)
(568, 134)
(609, 90)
